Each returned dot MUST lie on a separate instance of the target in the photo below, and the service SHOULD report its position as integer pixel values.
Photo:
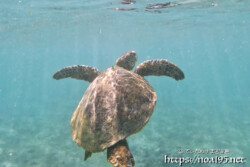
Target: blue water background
(210, 109)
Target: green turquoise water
(209, 109)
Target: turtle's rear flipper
(87, 155)
(119, 155)
(81, 72)
(159, 67)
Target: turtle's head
(127, 60)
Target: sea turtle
(117, 104)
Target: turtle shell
(117, 103)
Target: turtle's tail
(119, 155)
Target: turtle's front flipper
(81, 72)
(127, 60)
(119, 155)
(159, 67)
